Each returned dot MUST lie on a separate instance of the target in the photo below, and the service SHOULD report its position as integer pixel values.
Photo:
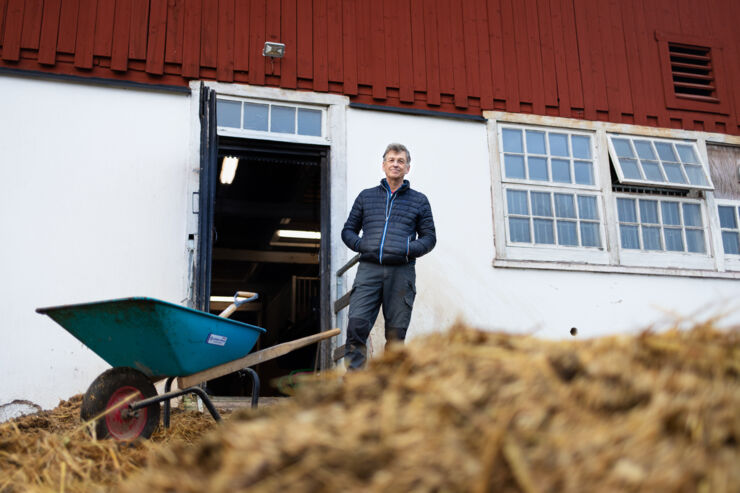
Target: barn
(187, 149)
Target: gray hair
(396, 147)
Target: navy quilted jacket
(396, 227)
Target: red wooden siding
(586, 59)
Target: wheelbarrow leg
(177, 393)
(167, 388)
(255, 384)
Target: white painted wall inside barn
(450, 164)
(93, 207)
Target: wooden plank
(417, 43)
(444, 47)
(305, 39)
(225, 70)
(31, 24)
(634, 65)
(730, 54)
(49, 30)
(405, 66)
(470, 36)
(85, 34)
(613, 65)
(364, 43)
(139, 29)
(174, 35)
(484, 55)
(257, 42)
(535, 57)
(377, 52)
(595, 43)
(121, 35)
(320, 47)
(349, 47)
(68, 26)
(509, 68)
(547, 54)
(584, 50)
(575, 73)
(655, 97)
(342, 302)
(13, 28)
(559, 56)
(3, 8)
(254, 359)
(334, 39)
(496, 44)
(275, 257)
(432, 60)
(241, 36)
(192, 23)
(209, 34)
(391, 39)
(289, 36)
(272, 33)
(104, 28)
(621, 57)
(459, 70)
(157, 37)
(521, 48)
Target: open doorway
(268, 228)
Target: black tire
(111, 387)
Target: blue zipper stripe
(388, 209)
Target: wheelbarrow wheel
(107, 391)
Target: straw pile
(475, 412)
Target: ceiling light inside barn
(228, 169)
(274, 50)
(303, 235)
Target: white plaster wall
(94, 206)
(456, 280)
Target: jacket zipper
(388, 209)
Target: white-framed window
(729, 223)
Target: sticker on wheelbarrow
(216, 340)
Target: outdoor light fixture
(301, 235)
(274, 50)
(228, 169)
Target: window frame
(732, 261)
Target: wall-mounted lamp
(273, 50)
(228, 169)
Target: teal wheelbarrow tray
(146, 340)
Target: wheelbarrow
(146, 340)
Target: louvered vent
(691, 67)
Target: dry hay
(475, 412)
(54, 451)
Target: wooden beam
(265, 256)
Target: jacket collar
(404, 186)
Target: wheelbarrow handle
(249, 296)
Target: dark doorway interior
(277, 188)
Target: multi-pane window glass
(642, 160)
(553, 218)
(547, 156)
(660, 225)
(729, 222)
(267, 117)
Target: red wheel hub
(123, 424)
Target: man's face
(395, 165)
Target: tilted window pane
(623, 148)
(514, 166)
(543, 231)
(590, 234)
(630, 237)
(517, 202)
(696, 175)
(567, 233)
(282, 119)
(626, 210)
(649, 211)
(558, 144)
(727, 217)
(564, 206)
(587, 207)
(652, 171)
(255, 116)
(651, 238)
(630, 169)
(536, 142)
(309, 122)
(695, 240)
(228, 113)
(541, 204)
(512, 140)
(731, 242)
(673, 240)
(584, 172)
(581, 145)
(645, 150)
(692, 215)
(687, 154)
(519, 230)
(670, 213)
(674, 174)
(666, 152)
(537, 168)
(561, 171)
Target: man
(397, 227)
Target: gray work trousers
(393, 287)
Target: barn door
(206, 196)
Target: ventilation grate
(691, 68)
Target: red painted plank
(634, 64)
(535, 57)
(432, 61)
(104, 28)
(547, 53)
(652, 67)
(121, 35)
(417, 41)
(225, 70)
(31, 24)
(3, 5)
(175, 27)
(484, 55)
(334, 35)
(49, 31)
(559, 57)
(157, 36)
(509, 67)
(85, 34)
(496, 43)
(13, 27)
(584, 41)
(621, 59)
(257, 42)
(305, 39)
(364, 42)
(288, 36)
(241, 36)
(139, 29)
(320, 47)
(377, 38)
(272, 33)
(470, 35)
(523, 61)
(575, 72)
(613, 65)
(391, 41)
(459, 77)
(444, 34)
(405, 51)
(730, 53)
(349, 47)
(209, 34)
(191, 39)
